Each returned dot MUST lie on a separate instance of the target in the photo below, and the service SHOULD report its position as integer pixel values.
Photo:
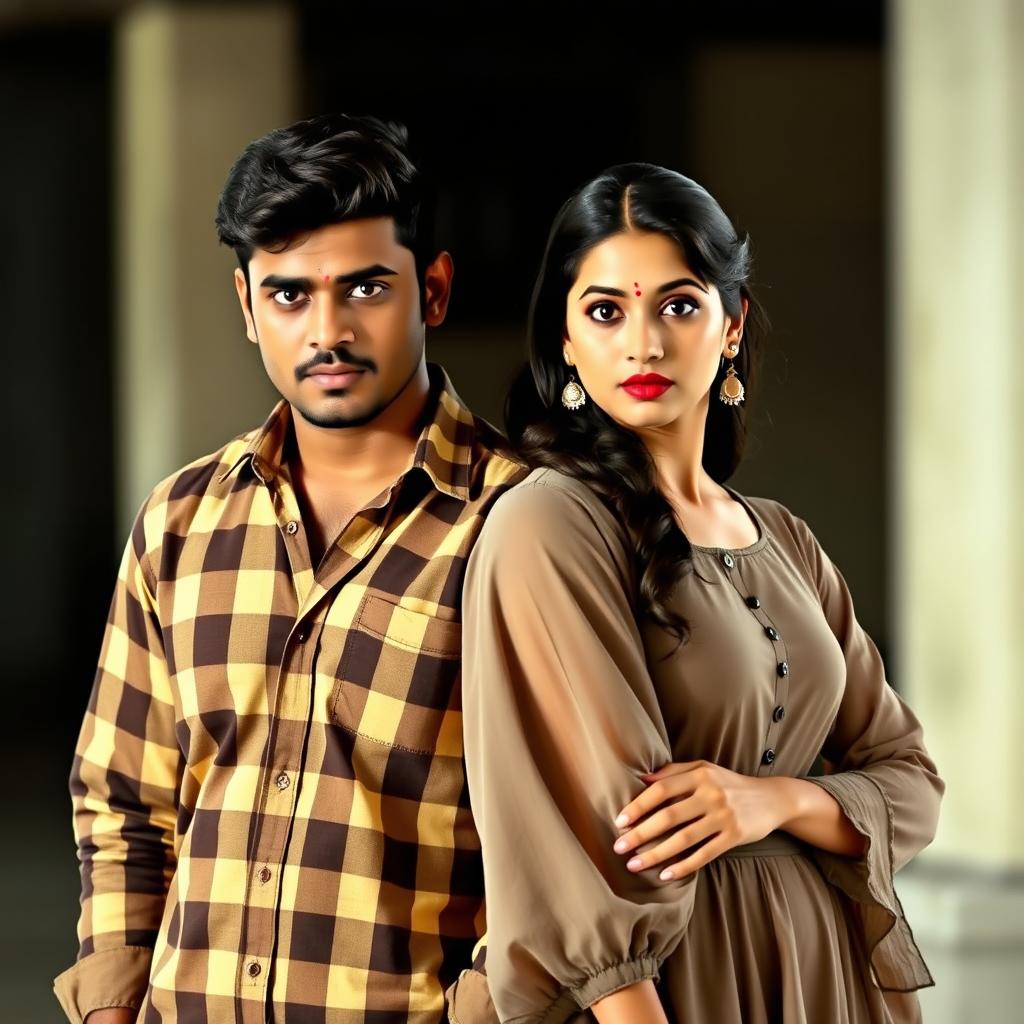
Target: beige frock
(567, 703)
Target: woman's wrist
(811, 813)
(788, 798)
(638, 1003)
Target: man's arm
(124, 784)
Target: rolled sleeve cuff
(896, 961)
(469, 1000)
(612, 978)
(106, 978)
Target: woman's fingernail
(622, 819)
(635, 863)
(666, 874)
(621, 845)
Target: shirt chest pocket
(398, 679)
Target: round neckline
(762, 531)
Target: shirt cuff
(109, 977)
(469, 999)
(896, 961)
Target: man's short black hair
(321, 171)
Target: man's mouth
(334, 377)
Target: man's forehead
(359, 241)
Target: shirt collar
(444, 449)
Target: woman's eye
(674, 308)
(286, 296)
(602, 312)
(364, 290)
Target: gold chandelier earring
(573, 395)
(731, 392)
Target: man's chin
(336, 413)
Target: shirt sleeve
(124, 782)
(884, 781)
(560, 720)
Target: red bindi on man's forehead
(636, 285)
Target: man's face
(337, 318)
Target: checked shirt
(269, 792)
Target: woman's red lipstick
(646, 386)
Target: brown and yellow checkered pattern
(269, 793)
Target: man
(269, 793)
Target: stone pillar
(958, 470)
(194, 85)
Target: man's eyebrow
(305, 283)
(666, 287)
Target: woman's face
(638, 309)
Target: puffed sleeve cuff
(611, 979)
(106, 978)
(896, 961)
(469, 999)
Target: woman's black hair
(587, 443)
(321, 171)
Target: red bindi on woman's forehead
(636, 285)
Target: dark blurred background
(780, 110)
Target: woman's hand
(712, 803)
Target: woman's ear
(734, 330)
(567, 351)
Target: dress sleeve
(560, 720)
(883, 779)
(124, 783)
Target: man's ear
(437, 287)
(243, 300)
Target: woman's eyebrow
(669, 285)
(603, 289)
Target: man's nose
(330, 323)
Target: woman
(650, 655)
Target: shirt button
(779, 713)
(283, 782)
(728, 559)
(772, 632)
(301, 636)
(753, 601)
(768, 757)
(253, 969)
(264, 876)
(783, 668)
(292, 527)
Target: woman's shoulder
(551, 510)
(790, 530)
(778, 516)
(545, 490)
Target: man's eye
(602, 312)
(365, 290)
(286, 296)
(676, 307)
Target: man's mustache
(332, 358)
